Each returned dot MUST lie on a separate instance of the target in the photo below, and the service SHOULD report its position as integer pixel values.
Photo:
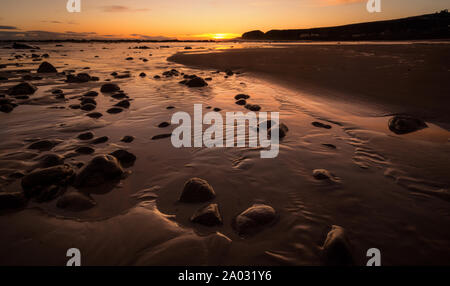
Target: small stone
(161, 136)
(129, 59)
(123, 103)
(86, 150)
(114, 110)
(88, 100)
(79, 78)
(91, 94)
(75, 106)
(100, 140)
(95, 115)
(336, 249)
(50, 160)
(110, 87)
(142, 74)
(88, 107)
(216, 109)
(253, 107)
(254, 218)
(24, 88)
(242, 96)
(208, 215)
(57, 91)
(325, 175)
(321, 125)
(119, 96)
(127, 139)
(197, 190)
(6, 108)
(241, 102)
(164, 125)
(76, 201)
(43, 145)
(125, 158)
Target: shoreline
(396, 78)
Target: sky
(190, 19)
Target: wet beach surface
(339, 164)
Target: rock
(164, 125)
(242, 96)
(44, 145)
(321, 125)
(282, 130)
(403, 124)
(50, 160)
(75, 106)
(46, 67)
(142, 74)
(322, 175)
(114, 110)
(197, 190)
(241, 102)
(86, 150)
(208, 79)
(46, 184)
(14, 200)
(100, 140)
(161, 136)
(57, 91)
(170, 107)
(119, 96)
(20, 46)
(98, 171)
(229, 72)
(123, 103)
(95, 115)
(6, 108)
(129, 59)
(196, 82)
(156, 77)
(330, 146)
(125, 158)
(208, 215)
(127, 139)
(336, 249)
(110, 87)
(79, 78)
(216, 109)
(76, 201)
(253, 107)
(23, 88)
(88, 107)
(88, 100)
(45, 56)
(91, 94)
(254, 218)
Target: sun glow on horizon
(218, 36)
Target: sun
(218, 36)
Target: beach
(339, 164)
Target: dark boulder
(197, 190)
(46, 184)
(125, 158)
(114, 110)
(88, 107)
(242, 96)
(100, 140)
(164, 124)
(100, 170)
(110, 87)
(196, 82)
(253, 107)
(127, 139)
(79, 78)
(241, 102)
(46, 67)
(44, 145)
(50, 160)
(91, 94)
(14, 200)
(403, 124)
(95, 115)
(208, 215)
(123, 103)
(23, 88)
(86, 150)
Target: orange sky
(192, 19)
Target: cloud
(59, 22)
(119, 8)
(151, 38)
(8, 28)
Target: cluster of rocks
(241, 99)
(248, 222)
(81, 78)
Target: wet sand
(388, 191)
(399, 78)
